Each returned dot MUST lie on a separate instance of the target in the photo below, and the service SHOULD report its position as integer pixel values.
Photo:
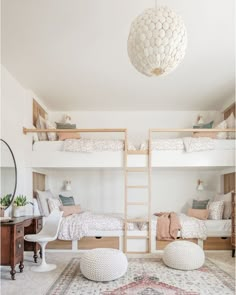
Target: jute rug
(147, 276)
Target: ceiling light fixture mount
(157, 41)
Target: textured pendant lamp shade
(157, 41)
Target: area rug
(147, 276)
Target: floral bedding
(92, 145)
(76, 226)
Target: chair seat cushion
(183, 255)
(103, 264)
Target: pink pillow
(198, 213)
(69, 210)
(69, 135)
(205, 134)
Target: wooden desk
(12, 245)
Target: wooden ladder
(147, 171)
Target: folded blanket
(168, 225)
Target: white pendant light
(157, 41)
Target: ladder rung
(137, 169)
(137, 152)
(137, 186)
(137, 237)
(136, 220)
(137, 203)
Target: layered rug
(147, 276)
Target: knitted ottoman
(183, 255)
(103, 264)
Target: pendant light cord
(156, 4)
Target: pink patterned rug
(147, 276)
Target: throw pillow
(221, 125)
(204, 126)
(52, 136)
(42, 198)
(227, 204)
(54, 204)
(41, 124)
(69, 210)
(198, 213)
(205, 134)
(216, 210)
(65, 126)
(200, 204)
(67, 201)
(64, 136)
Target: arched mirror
(8, 175)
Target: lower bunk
(218, 237)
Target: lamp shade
(68, 185)
(157, 41)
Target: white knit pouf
(183, 255)
(103, 264)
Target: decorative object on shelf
(68, 185)
(67, 119)
(200, 186)
(200, 120)
(20, 206)
(157, 41)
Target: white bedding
(161, 144)
(76, 226)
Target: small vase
(19, 211)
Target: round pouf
(103, 264)
(183, 255)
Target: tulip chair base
(43, 267)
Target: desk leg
(35, 256)
(21, 266)
(13, 272)
(233, 253)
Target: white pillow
(41, 124)
(52, 136)
(35, 136)
(221, 125)
(227, 204)
(54, 204)
(42, 198)
(231, 124)
(36, 207)
(216, 210)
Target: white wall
(16, 112)
(102, 190)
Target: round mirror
(8, 176)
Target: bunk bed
(130, 161)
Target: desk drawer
(98, 242)
(19, 230)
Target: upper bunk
(184, 150)
(112, 153)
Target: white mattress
(224, 144)
(218, 228)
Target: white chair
(48, 233)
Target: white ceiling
(73, 54)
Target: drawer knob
(19, 246)
(18, 231)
